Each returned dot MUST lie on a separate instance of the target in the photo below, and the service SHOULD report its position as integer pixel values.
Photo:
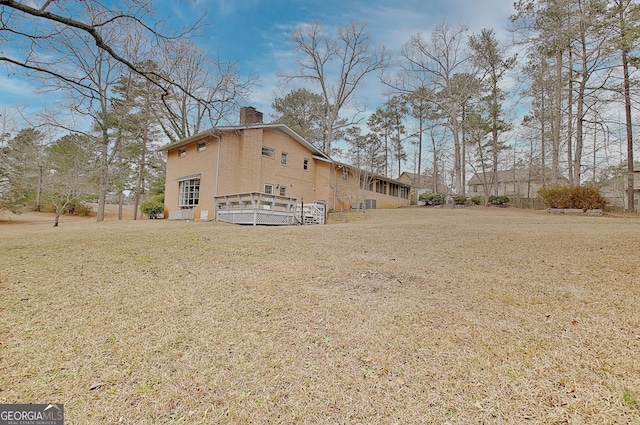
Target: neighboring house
(518, 183)
(615, 191)
(269, 159)
(421, 184)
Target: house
(516, 182)
(262, 167)
(615, 191)
(422, 184)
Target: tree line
(454, 99)
(559, 107)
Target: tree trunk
(570, 158)
(457, 154)
(39, 189)
(629, 127)
(584, 75)
(557, 120)
(420, 146)
(120, 202)
(140, 180)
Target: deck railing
(266, 209)
(256, 208)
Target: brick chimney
(250, 115)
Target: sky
(255, 34)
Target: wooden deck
(255, 208)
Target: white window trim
(189, 192)
(270, 190)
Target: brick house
(267, 159)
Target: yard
(411, 316)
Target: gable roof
(280, 128)
(420, 182)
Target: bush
(499, 201)
(586, 197)
(78, 208)
(476, 200)
(432, 198)
(460, 200)
(153, 206)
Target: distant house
(421, 184)
(516, 182)
(615, 191)
(263, 167)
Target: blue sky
(255, 34)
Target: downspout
(217, 162)
(215, 210)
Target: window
(201, 146)
(283, 191)
(268, 152)
(283, 158)
(305, 164)
(345, 174)
(189, 193)
(182, 152)
(393, 189)
(268, 189)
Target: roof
(421, 181)
(512, 175)
(373, 175)
(281, 128)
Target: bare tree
(32, 27)
(434, 63)
(336, 67)
(544, 27)
(626, 14)
(210, 89)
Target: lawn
(411, 316)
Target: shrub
(153, 206)
(432, 198)
(498, 200)
(586, 197)
(556, 196)
(460, 200)
(476, 200)
(78, 208)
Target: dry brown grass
(412, 316)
